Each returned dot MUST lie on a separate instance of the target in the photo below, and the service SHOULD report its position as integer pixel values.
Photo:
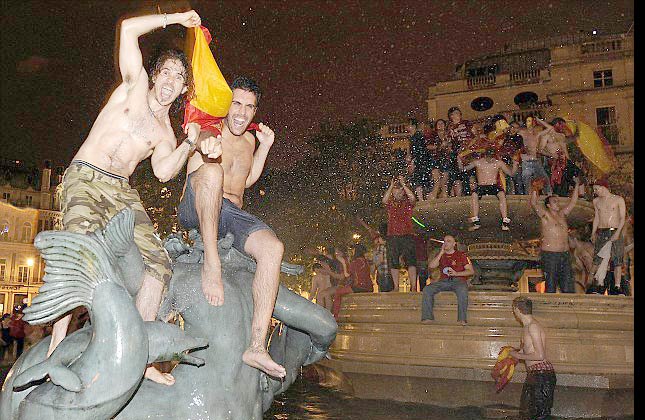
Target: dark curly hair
(158, 60)
(249, 85)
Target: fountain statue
(97, 372)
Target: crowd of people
(456, 157)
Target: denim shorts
(231, 218)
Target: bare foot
(259, 358)
(212, 285)
(156, 376)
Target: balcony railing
(19, 281)
(478, 82)
(525, 76)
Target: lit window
(602, 78)
(606, 122)
(26, 232)
(23, 273)
(3, 269)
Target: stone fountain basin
(449, 216)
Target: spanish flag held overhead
(213, 96)
(593, 145)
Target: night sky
(315, 60)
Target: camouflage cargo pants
(91, 197)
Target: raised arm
(572, 201)
(508, 171)
(408, 191)
(544, 124)
(468, 167)
(435, 261)
(388, 192)
(130, 59)
(266, 137)
(539, 209)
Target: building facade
(29, 204)
(584, 77)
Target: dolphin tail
(59, 375)
(77, 263)
(116, 233)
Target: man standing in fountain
(212, 201)
(531, 162)
(555, 258)
(537, 394)
(607, 227)
(133, 125)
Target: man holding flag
(212, 201)
(133, 125)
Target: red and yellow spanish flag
(213, 96)
(593, 145)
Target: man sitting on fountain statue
(488, 168)
(555, 258)
(537, 394)
(456, 269)
(607, 228)
(212, 201)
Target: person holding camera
(399, 201)
(456, 269)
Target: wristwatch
(191, 144)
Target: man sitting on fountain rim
(488, 168)
(455, 268)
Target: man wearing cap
(607, 227)
(456, 269)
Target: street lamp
(30, 264)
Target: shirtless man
(531, 164)
(555, 258)
(608, 223)
(487, 173)
(320, 281)
(537, 394)
(212, 201)
(553, 144)
(133, 125)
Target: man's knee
(263, 244)
(209, 175)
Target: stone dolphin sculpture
(221, 388)
(93, 372)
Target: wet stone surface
(309, 401)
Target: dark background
(316, 60)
